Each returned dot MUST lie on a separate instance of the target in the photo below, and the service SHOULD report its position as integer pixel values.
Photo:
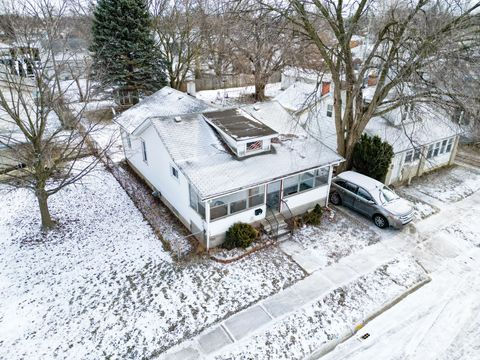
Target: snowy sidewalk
(260, 315)
(430, 244)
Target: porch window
(430, 151)
(416, 154)
(256, 196)
(239, 201)
(449, 145)
(306, 181)
(444, 145)
(196, 203)
(436, 150)
(409, 156)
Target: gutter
(210, 197)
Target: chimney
(325, 87)
(372, 80)
(191, 88)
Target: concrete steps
(270, 226)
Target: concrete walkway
(428, 247)
(257, 316)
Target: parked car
(371, 198)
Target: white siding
(220, 226)
(158, 173)
(300, 202)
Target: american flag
(257, 145)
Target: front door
(274, 195)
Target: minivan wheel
(380, 221)
(335, 199)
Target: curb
(329, 347)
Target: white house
(421, 142)
(214, 168)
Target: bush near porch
(240, 235)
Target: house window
(305, 181)
(430, 151)
(195, 202)
(416, 154)
(144, 150)
(409, 156)
(174, 171)
(254, 145)
(436, 150)
(239, 201)
(329, 110)
(449, 145)
(129, 141)
(444, 145)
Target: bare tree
(175, 25)
(44, 152)
(405, 39)
(215, 34)
(260, 42)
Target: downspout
(330, 174)
(207, 223)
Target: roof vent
(177, 119)
(256, 107)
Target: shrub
(313, 217)
(240, 235)
(372, 157)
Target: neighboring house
(214, 168)
(10, 134)
(21, 60)
(19, 92)
(421, 143)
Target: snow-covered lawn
(332, 317)
(236, 96)
(333, 240)
(101, 285)
(448, 184)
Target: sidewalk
(260, 315)
(427, 245)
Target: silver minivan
(371, 198)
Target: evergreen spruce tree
(125, 55)
(372, 157)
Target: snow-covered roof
(429, 126)
(202, 157)
(274, 115)
(299, 96)
(320, 126)
(165, 102)
(306, 75)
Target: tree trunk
(260, 91)
(348, 156)
(42, 197)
